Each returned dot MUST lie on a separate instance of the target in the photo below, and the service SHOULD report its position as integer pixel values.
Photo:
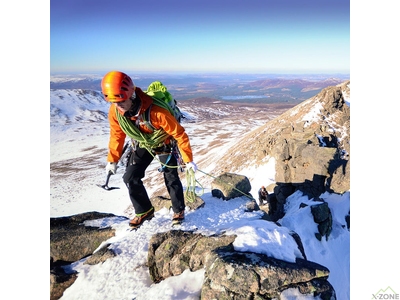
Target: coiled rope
(190, 193)
(145, 140)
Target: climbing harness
(163, 166)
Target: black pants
(135, 171)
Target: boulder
(229, 185)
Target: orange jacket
(159, 117)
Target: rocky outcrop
(310, 144)
(70, 241)
(236, 275)
(173, 252)
(230, 274)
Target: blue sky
(253, 36)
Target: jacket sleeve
(117, 137)
(161, 118)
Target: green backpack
(162, 98)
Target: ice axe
(105, 186)
(126, 152)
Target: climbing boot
(177, 218)
(140, 218)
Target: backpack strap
(146, 118)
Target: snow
(126, 275)
(312, 116)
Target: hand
(191, 165)
(111, 168)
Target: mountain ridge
(276, 89)
(296, 114)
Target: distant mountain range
(304, 85)
(231, 87)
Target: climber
(126, 117)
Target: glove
(191, 165)
(111, 168)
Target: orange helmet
(117, 86)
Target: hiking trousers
(135, 172)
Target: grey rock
(230, 274)
(229, 185)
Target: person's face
(124, 106)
